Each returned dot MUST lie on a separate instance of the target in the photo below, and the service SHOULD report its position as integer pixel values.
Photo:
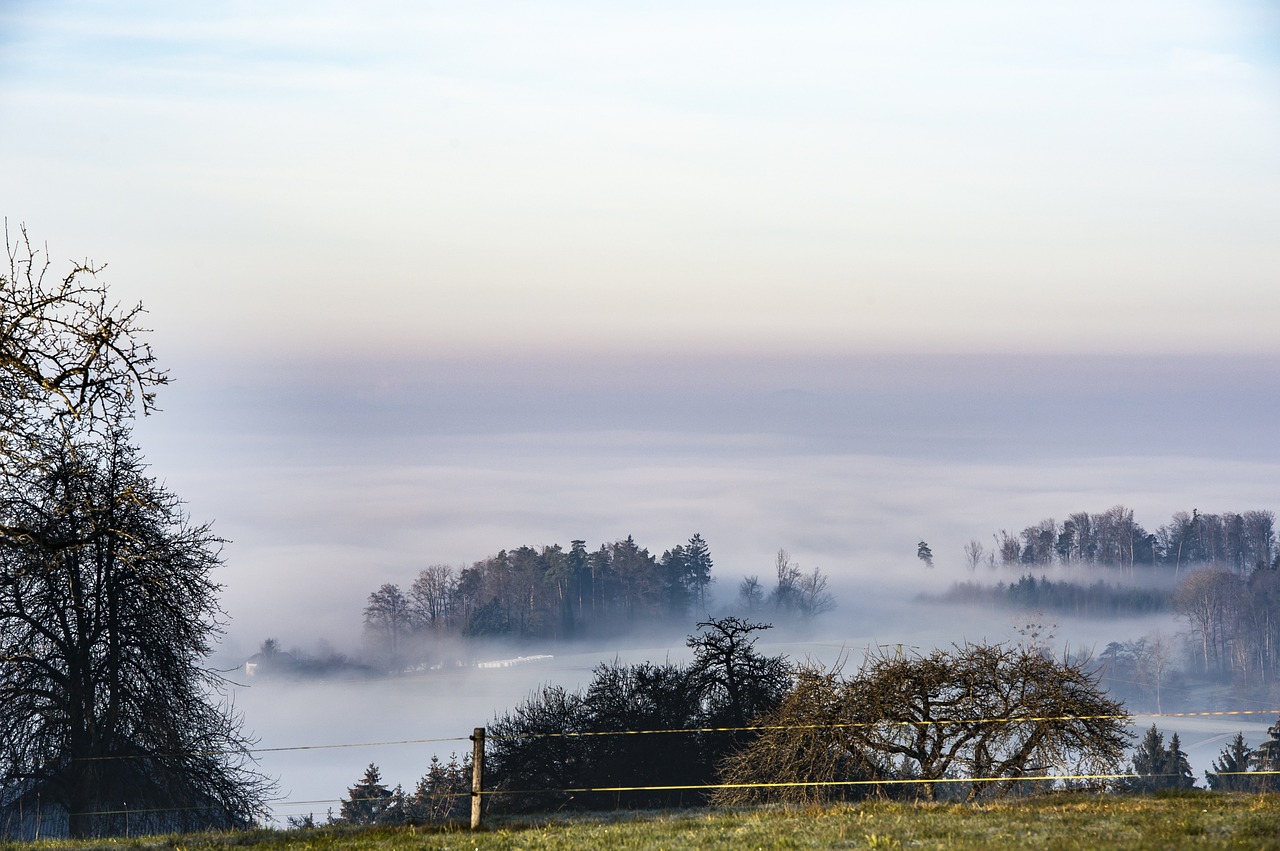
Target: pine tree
(1150, 761)
(698, 565)
(1267, 758)
(443, 793)
(924, 554)
(369, 801)
(1226, 776)
(1177, 769)
(1160, 767)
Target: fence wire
(284, 802)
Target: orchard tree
(737, 681)
(69, 358)
(107, 602)
(106, 611)
(994, 714)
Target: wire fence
(285, 807)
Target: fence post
(477, 775)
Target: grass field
(1199, 820)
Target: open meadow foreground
(1200, 820)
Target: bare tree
(1153, 662)
(1207, 600)
(388, 621)
(107, 605)
(432, 595)
(785, 596)
(974, 554)
(750, 593)
(994, 714)
(814, 598)
(106, 610)
(805, 752)
(67, 353)
(737, 682)
(1008, 547)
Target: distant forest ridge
(1240, 542)
(1098, 600)
(549, 593)
(1225, 568)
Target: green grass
(1199, 820)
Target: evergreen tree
(1150, 762)
(1177, 768)
(675, 581)
(370, 802)
(924, 554)
(1226, 775)
(698, 569)
(442, 794)
(1267, 758)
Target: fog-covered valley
(327, 496)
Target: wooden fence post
(477, 775)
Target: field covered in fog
(329, 491)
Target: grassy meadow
(1199, 820)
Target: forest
(1218, 573)
(531, 595)
(1239, 542)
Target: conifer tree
(698, 566)
(924, 554)
(1234, 759)
(369, 801)
(1177, 768)
(1267, 758)
(1150, 761)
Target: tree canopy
(992, 715)
(107, 601)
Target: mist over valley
(327, 510)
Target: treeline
(1099, 599)
(442, 795)
(1234, 541)
(1234, 623)
(695, 714)
(1232, 620)
(736, 726)
(1158, 767)
(546, 592)
(973, 722)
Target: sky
(435, 279)
(808, 178)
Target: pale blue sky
(446, 178)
